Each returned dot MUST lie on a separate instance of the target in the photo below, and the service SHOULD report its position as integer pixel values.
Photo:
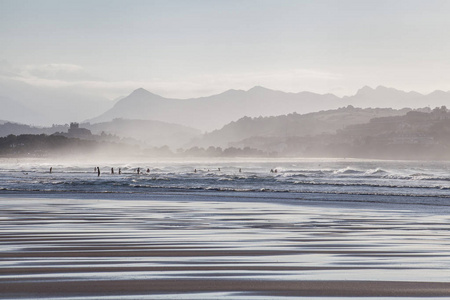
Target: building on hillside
(76, 132)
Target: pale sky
(197, 48)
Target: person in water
(240, 170)
(120, 171)
(112, 170)
(148, 170)
(139, 170)
(51, 170)
(195, 170)
(98, 171)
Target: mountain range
(213, 112)
(24, 103)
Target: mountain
(213, 112)
(292, 125)
(390, 97)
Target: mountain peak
(140, 91)
(364, 90)
(258, 88)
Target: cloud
(61, 72)
(76, 78)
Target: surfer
(195, 170)
(148, 170)
(120, 171)
(112, 170)
(139, 171)
(240, 170)
(219, 169)
(51, 170)
(98, 171)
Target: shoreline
(379, 202)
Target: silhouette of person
(112, 170)
(195, 170)
(139, 170)
(95, 169)
(271, 170)
(51, 170)
(219, 169)
(240, 170)
(120, 171)
(98, 171)
(148, 170)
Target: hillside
(415, 135)
(153, 133)
(8, 128)
(293, 125)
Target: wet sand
(154, 248)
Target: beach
(209, 245)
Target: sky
(184, 49)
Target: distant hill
(213, 112)
(8, 128)
(415, 126)
(293, 125)
(153, 133)
(415, 135)
(390, 97)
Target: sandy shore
(250, 287)
(62, 247)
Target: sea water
(361, 220)
(349, 180)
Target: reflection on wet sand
(92, 248)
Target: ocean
(228, 229)
(372, 181)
